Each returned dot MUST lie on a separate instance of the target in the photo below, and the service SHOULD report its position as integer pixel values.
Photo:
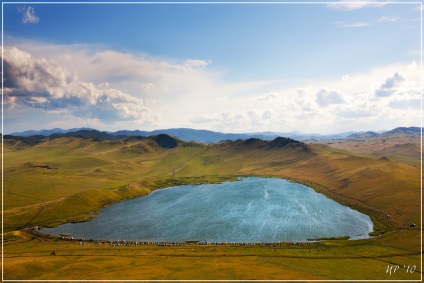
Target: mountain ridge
(209, 137)
(162, 140)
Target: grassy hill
(56, 180)
(400, 144)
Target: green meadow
(71, 179)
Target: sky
(318, 67)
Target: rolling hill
(62, 178)
(62, 160)
(402, 144)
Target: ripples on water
(250, 210)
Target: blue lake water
(251, 210)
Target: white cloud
(35, 82)
(414, 103)
(231, 121)
(87, 85)
(351, 25)
(361, 24)
(267, 97)
(196, 64)
(267, 115)
(354, 113)
(327, 97)
(28, 15)
(390, 86)
(167, 89)
(413, 66)
(350, 5)
(305, 100)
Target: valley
(49, 181)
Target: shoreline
(180, 181)
(374, 233)
(190, 242)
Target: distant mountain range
(394, 132)
(205, 136)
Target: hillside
(361, 136)
(401, 144)
(86, 163)
(57, 180)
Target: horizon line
(184, 128)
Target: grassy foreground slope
(67, 179)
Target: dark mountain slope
(403, 130)
(94, 134)
(165, 141)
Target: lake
(250, 210)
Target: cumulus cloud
(304, 101)
(326, 97)
(28, 15)
(166, 86)
(37, 83)
(96, 86)
(390, 86)
(349, 5)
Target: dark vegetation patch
(253, 141)
(179, 181)
(41, 165)
(166, 141)
(277, 143)
(281, 142)
(31, 140)
(87, 134)
(94, 135)
(330, 238)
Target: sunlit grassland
(68, 179)
(30, 256)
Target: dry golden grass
(403, 148)
(29, 257)
(67, 179)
